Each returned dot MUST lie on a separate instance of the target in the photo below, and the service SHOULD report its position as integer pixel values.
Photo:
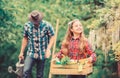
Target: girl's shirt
(74, 51)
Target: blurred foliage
(100, 55)
(116, 48)
(14, 13)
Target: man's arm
(23, 46)
(51, 42)
(48, 53)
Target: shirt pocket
(43, 33)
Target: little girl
(76, 46)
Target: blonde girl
(75, 45)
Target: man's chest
(37, 32)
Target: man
(39, 36)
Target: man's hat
(35, 16)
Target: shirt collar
(40, 23)
(75, 38)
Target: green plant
(65, 60)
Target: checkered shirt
(38, 38)
(74, 51)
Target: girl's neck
(76, 36)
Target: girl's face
(77, 27)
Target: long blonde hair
(69, 35)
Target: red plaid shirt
(74, 51)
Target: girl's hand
(89, 59)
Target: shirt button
(36, 46)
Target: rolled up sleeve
(25, 31)
(50, 31)
(90, 52)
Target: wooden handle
(56, 32)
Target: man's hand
(21, 56)
(47, 53)
(23, 46)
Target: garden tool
(19, 69)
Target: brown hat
(35, 16)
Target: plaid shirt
(74, 51)
(38, 38)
